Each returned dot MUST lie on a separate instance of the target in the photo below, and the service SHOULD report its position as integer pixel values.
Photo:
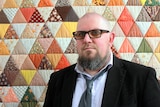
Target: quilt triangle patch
(37, 80)
(125, 21)
(11, 70)
(71, 27)
(126, 56)
(54, 27)
(45, 32)
(151, 3)
(36, 17)
(36, 49)
(3, 18)
(61, 3)
(45, 3)
(71, 47)
(143, 26)
(3, 49)
(144, 58)
(11, 33)
(143, 16)
(153, 42)
(19, 28)
(134, 11)
(152, 11)
(157, 50)
(98, 9)
(10, 96)
(45, 74)
(20, 91)
(3, 30)
(144, 47)
(63, 43)
(115, 3)
(36, 28)
(38, 91)
(42, 97)
(118, 31)
(54, 59)
(19, 80)
(158, 56)
(28, 75)
(117, 11)
(10, 4)
(99, 2)
(157, 17)
(80, 11)
(36, 59)
(118, 41)
(125, 26)
(19, 18)
(3, 61)
(126, 47)
(72, 58)
(45, 64)
(19, 48)
(27, 64)
(81, 3)
(152, 31)
(135, 41)
(63, 31)
(67, 13)
(135, 31)
(27, 33)
(109, 15)
(154, 62)
(54, 48)
(10, 13)
(27, 12)
(10, 43)
(4, 80)
(27, 3)
(45, 43)
(45, 12)
(134, 3)
(63, 62)
(28, 43)
(29, 98)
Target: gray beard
(92, 63)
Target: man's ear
(112, 36)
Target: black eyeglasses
(96, 33)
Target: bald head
(93, 21)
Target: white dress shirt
(98, 86)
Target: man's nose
(87, 38)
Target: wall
(36, 40)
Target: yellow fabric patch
(3, 29)
(28, 75)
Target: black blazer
(128, 85)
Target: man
(116, 83)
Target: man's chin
(90, 56)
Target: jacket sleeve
(151, 95)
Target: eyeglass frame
(89, 33)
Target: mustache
(85, 46)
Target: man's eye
(82, 33)
(95, 32)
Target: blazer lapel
(68, 88)
(113, 84)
